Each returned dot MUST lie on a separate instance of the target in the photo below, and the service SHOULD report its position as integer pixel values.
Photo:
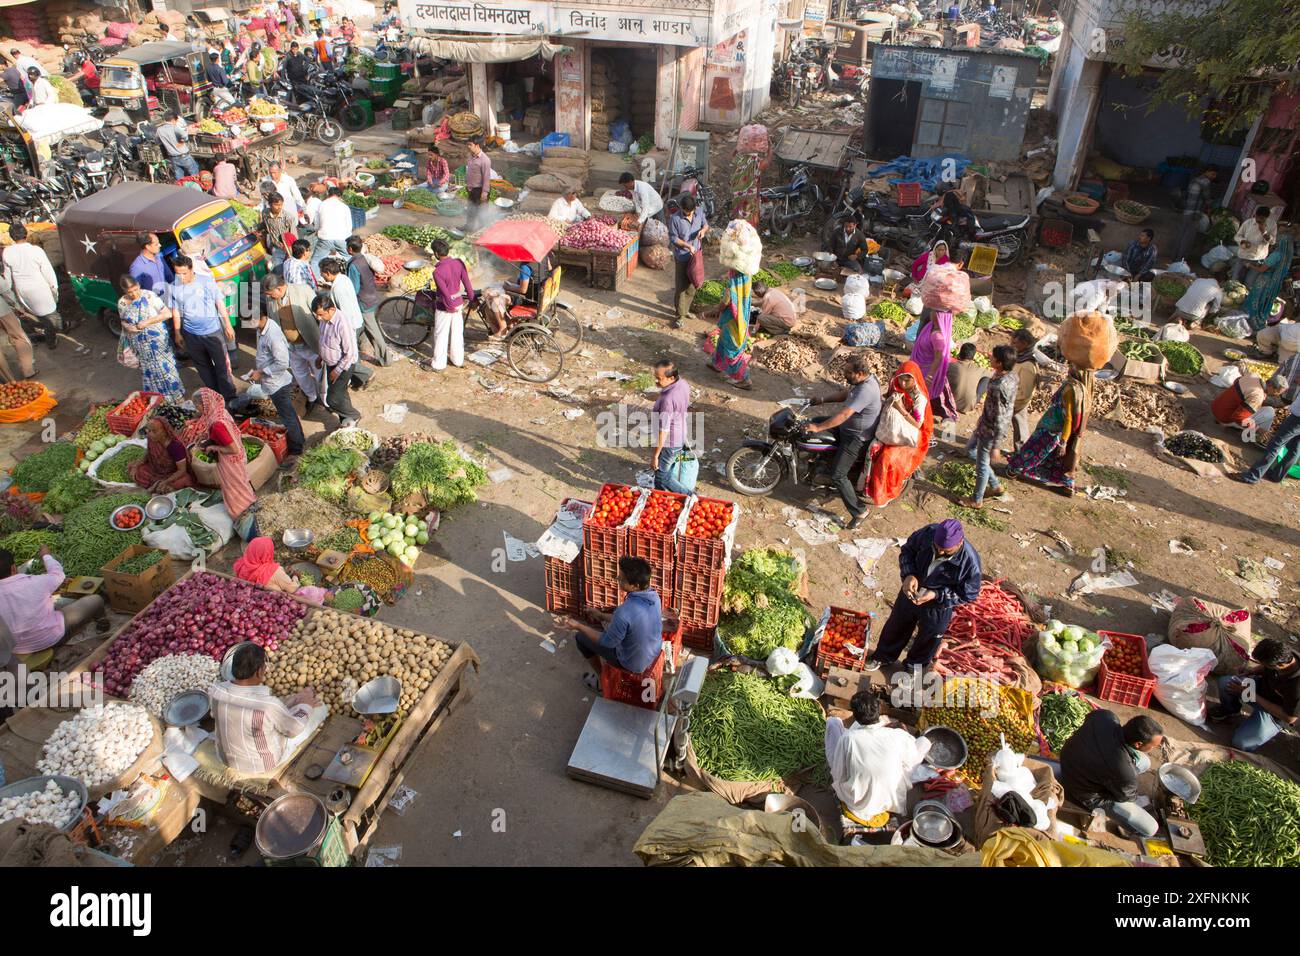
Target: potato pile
(336, 653)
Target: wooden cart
(254, 157)
(605, 270)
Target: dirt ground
(507, 750)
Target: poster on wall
(943, 74)
(724, 80)
(1003, 83)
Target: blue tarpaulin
(928, 172)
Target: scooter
(757, 467)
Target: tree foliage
(1237, 54)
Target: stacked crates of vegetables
(604, 541)
(653, 536)
(703, 553)
(126, 418)
(564, 578)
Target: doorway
(891, 117)
(622, 90)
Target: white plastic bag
(740, 248)
(1220, 255)
(1181, 267)
(782, 661)
(1180, 673)
(93, 471)
(1225, 376)
(1235, 325)
(857, 285)
(981, 303)
(809, 686)
(853, 306)
(914, 304)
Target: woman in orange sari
(892, 465)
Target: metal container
(66, 784)
(378, 696)
(826, 263)
(228, 660)
(297, 830)
(297, 538)
(413, 265)
(113, 518)
(1180, 781)
(933, 828)
(947, 748)
(159, 507)
(187, 708)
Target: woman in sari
(938, 255)
(144, 329)
(729, 343)
(259, 566)
(892, 465)
(218, 436)
(165, 466)
(1051, 454)
(1268, 278)
(931, 353)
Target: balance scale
(623, 747)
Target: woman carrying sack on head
(902, 436)
(931, 354)
(938, 255)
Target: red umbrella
(518, 240)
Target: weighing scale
(623, 747)
(81, 586)
(1180, 788)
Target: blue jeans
(1288, 435)
(325, 249)
(1257, 729)
(1128, 813)
(984, 477)
(184, 165)
(664, 480)
(278, 256)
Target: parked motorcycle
(689, 182)
(907, 227)
(757, 467)
(1009, 233)
(780, 207)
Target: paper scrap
(645, 478)
(485, 357)
(402, 799)
(494, 387)
(1274, 563)
(1104, 493)
(573, 414)
(395, 414)
(515, 550)
(384, 855)
(548, 646)
(1087, 583)
(1180, 547)
(614, 376)
(1162, 600)
(500, 475)
(866, 551)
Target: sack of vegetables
(1087, 339)
(1069, 654)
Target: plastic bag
(1225, 376)
(1217, 257)
(864, 334)
(1235, 325)
(93, 471)
(686, 469)
(946, 288)
(809, 686)
(857, 285)
(914, 305)
(981, 303)
(853, 306)
(782, 661)
(740, 248)
(1181, 267)
(1181, 673)
(1073, 666)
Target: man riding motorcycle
(855, 426)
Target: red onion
(591, 234)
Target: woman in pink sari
(217, 434)
(931, 353)
(937, 255)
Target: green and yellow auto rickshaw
(99, 235)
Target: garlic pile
(50, 805)
(171, 675)
(98, 744)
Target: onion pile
(171, 675)
(336, 653)
(98, 744)
(595, 236)
(50, 806)
(203, 614)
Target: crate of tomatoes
(273, 434)
(1124, 676)
(604, 531)
(126, 418)
(710, 530)
(654, 530)
(842, 639)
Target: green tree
(1238, 54)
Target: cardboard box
(129, 593)
(1150, 372)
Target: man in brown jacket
(1027, 378)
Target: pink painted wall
(690, 85)
(571, 113)
(1283, 113)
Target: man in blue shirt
(686, 230)
(634, 634)
(940, 570)
(149, 268)
(199, 319)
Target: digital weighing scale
(623, 747)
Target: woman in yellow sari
(730, 343)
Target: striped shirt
(253, 726)
(338, 343)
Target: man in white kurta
(871, 763)
(287, 187)
(34, 281)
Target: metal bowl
(112, 519)
(504, 203)
(947, 748)
(1105, 374)
(159, 507)
(305, 567)
(411, 265)
(893, 275)
(803, 262)
(1118, 272)
(823, 257)
(825, 285)
(1180, 781)
(297, 538)
(187, 708)
(33, 784)
(378, 696)
(932, 827)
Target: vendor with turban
(940, 570)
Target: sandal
(744, 386)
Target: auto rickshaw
(99, 235)
(540, 330)
(151, 79)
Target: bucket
(503, 131)
(297, 830)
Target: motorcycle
(885, 220)
(1008, 233)
(780, 207)
(757, 467)
(690, 183)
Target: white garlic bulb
(98, 744)
(50, 805)
(168, 676)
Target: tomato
(613, 506)
(708, 519)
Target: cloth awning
(469, 48)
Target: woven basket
(1131, 219)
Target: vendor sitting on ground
(1203, 298)
(940, 570)
(1245, 401)
(1275, 679)
(776, 314)
(256, 730)
(967, 378)
(165, 466)
(27, 606)
(871, 762)
(632, 638)
(1100, 765)
(259, 566)
(1140, 256)
(849, 245)
(569, 208)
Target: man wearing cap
(940, 570)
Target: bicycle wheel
(564, 327)
(402, 321)
(533, 354)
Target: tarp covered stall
(460, 48)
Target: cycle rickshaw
(540, 330)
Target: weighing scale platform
(616, 748)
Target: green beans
(88, 541)
(745, 728)
(37, 471)
(23, 545)
(1059, 716)
(1184, 358)
(141, 562)
(1248, 816)
(117, 469)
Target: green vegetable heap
(347, 599)
(37, 471)
(1184, 358)
(324, 470)
(116, 469)
(768, 278)
(1059, 716)
(420, 197)
(711, 293)
(88, 541)
(786, 270)
(140, 563)
(94, 427)
(1248, 816)
(67, 491)
(23, 545)
(760, 609)
(417, 235)
(746, 728)
(1140, 351)
(1169, 286)
(892, 312)
(439, 471)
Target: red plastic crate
(600, 567)
(662, 580)
(120, 423)
(600, 540)
(699, 582)
(706, 553)
(698, 637)
(1125, 688)
(654, 547)
(827, 659)
(909, 194)
(600, 595)
(563, 586)
(618, 684)
(279, 445)
(673, 634)
(700, 611)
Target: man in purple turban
(940, 570)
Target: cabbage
(1070, 648)
(1072, 632)
(1055, 626)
